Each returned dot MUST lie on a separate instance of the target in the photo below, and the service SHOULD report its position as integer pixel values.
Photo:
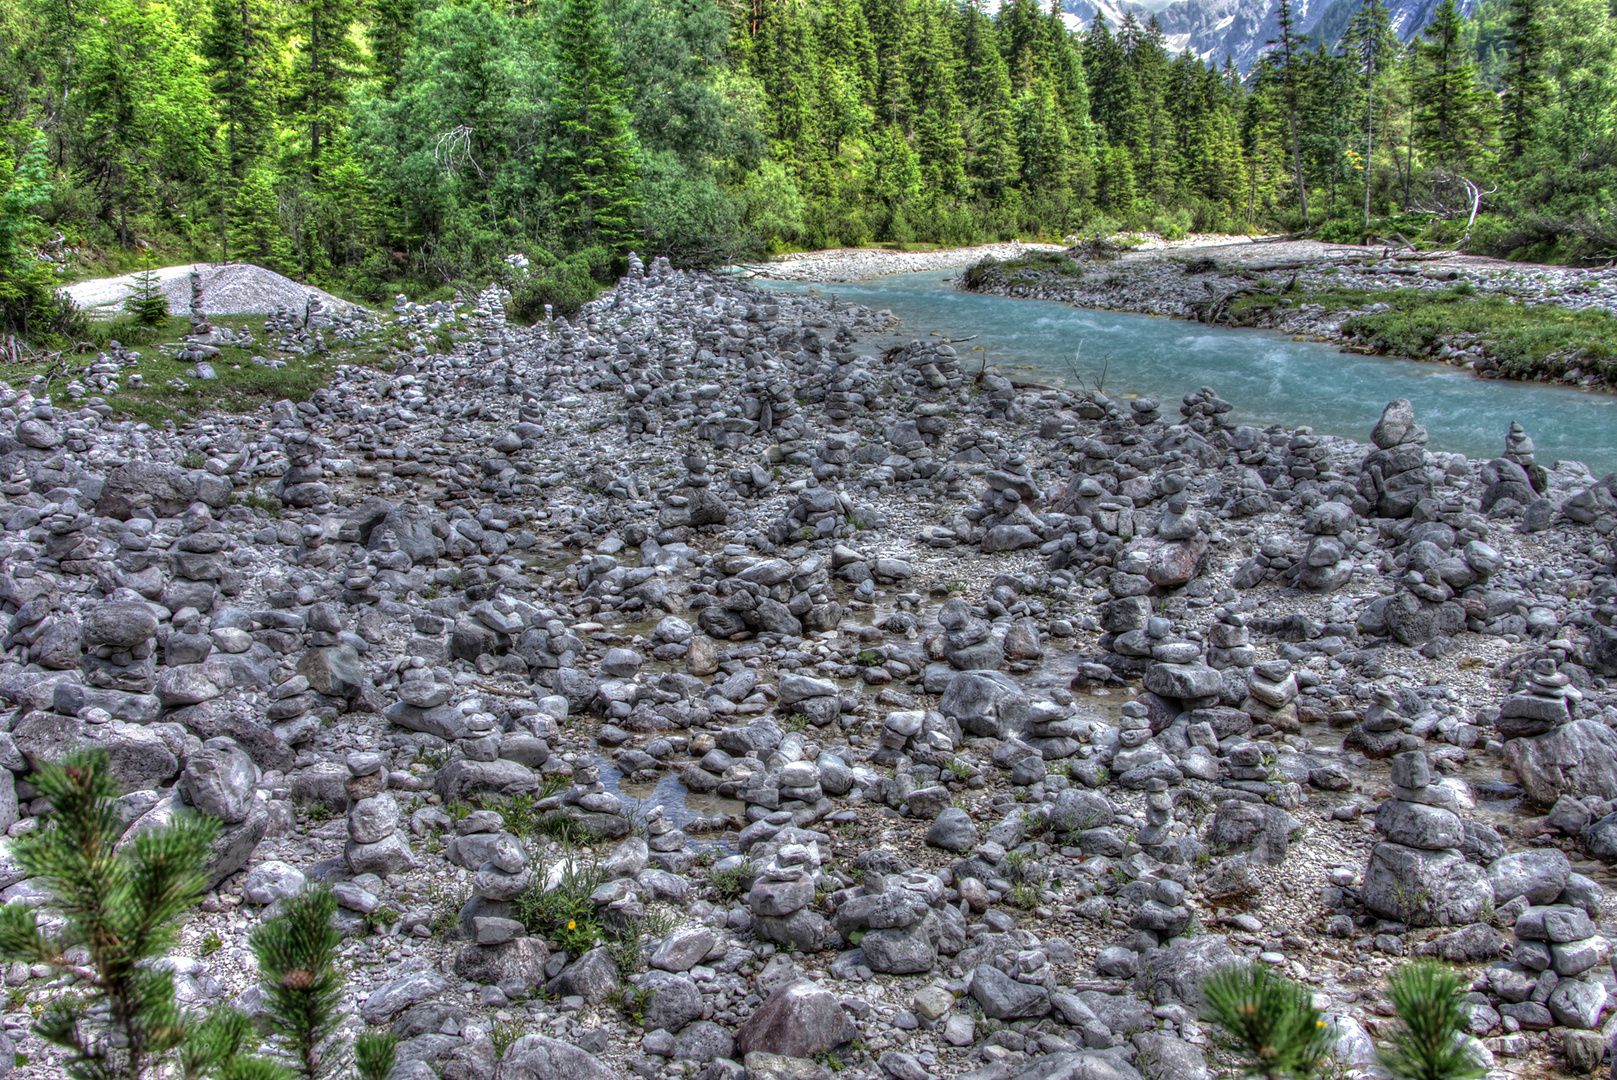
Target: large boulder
(1425, 888)
(799, 1020)
(463, 778)
(166, 490)
(538, 1057)
(1177, 971)
(1263, 830)
(1577, 759)
(119, 625)
(221, 781)
(137, 759)
(1077, 1065)
(1413, 621)
(985, 703)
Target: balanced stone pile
(1418, 874)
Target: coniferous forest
(371, 146)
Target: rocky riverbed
(909, 724)
(1289, 286)
(856, 264)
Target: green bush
(565, 284)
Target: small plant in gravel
(121, 911)
(728, 883)
(1430, 1042)
(1267, 1022)
(564, 912)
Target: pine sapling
(1269, 1023)
(1430, 1041)
(221, 1046)
(296, 953)
(121, 909)
(147, 303)
(373, 1054)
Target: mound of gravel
(230, 289)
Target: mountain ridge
(1241, 29)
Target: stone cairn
(1396, 475)
(375, 845)
(1230, 641)
(1327, 562)
(780, 898)
(499, 862)
(1554, 975)
(1418, 875)
(1380, 733)
(1545, 701)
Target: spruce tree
(996, 162)
(256, 234)
(1369, 41)
(1453, 113)
(146, 302)
(1525, 83)
(390, 34)
(241, 47)
(1286, 67)
(594, 153)
(120, 908)
(940, 144)
(328, 65)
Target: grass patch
(1030, 269)
(1520, 341)
(169, 394)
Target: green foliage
(564, 913)
(220, 1047)
(373, 1054)
(1429, 1043)
(729, 883)
(565, 284)
(121, 908)
(147, 304)
(30, 303)
(1268, 1022)
(593, 157)
(296, 953)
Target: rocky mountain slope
(1239, 29)
(869, 713)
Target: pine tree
(594, 152)
(241, 49)
(390, 33)
(256, 233)
(996, 163)
(296, 952)
(1453, 113)
(1369, 41)
(147, 303)
(328, 65)
(940, 144)
(121, 909)
(1525, 82)
(1286, 66)
(1113, 94)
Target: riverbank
(858, 264)
(1501, 320)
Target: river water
(1269, 378)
